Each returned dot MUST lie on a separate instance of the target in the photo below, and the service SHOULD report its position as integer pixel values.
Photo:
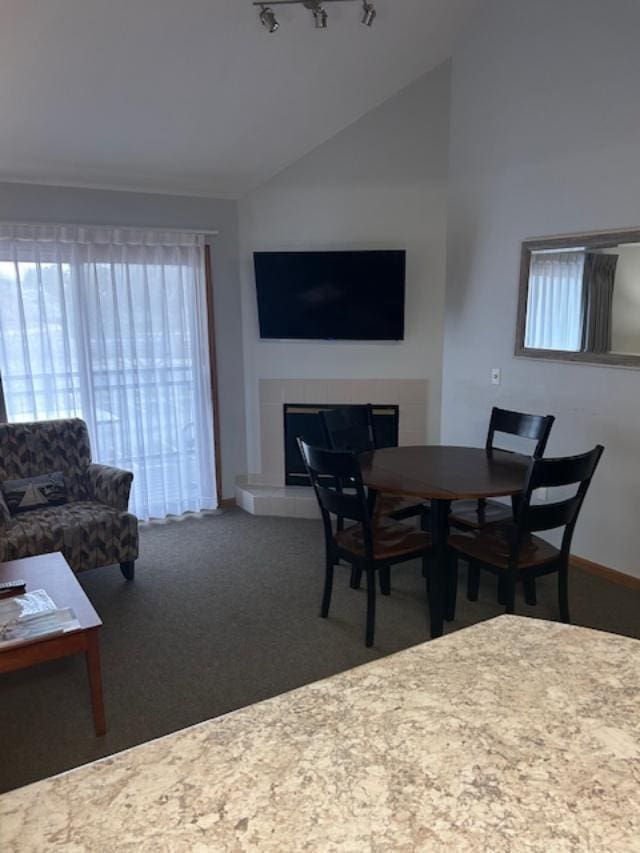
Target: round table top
(444, 472)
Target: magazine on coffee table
(33, 616)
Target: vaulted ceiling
(195, 96)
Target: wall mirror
(580, 298)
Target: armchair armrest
(110, 486)
(5, 515)
(5, 518)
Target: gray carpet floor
(224, 613)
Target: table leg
(95, 681)
(439, 535)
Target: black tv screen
(352, 296)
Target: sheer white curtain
(554, 302)
(111, 326)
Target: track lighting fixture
(316, 7)
(268, 19)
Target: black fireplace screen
(303, 420)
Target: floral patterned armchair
(93, 528)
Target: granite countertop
(515, 734)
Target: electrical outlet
(496, 376)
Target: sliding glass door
(110, 326)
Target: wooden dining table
(442, 474)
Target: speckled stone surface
(515, 734)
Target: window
(110, 326)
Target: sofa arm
(110, 486)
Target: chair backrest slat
(349, 428)
(327, 469)
(340, 504)
(551, 516)
(564, 472)
(534, 427)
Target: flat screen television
(348, 296)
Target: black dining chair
(352, 428)
(510, 549)
(476, 514)
(369, 548)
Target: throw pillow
(35, 492)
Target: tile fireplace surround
(264, 493)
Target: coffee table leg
(95, 681)
(439, 535)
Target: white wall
(30, 203)
(545, 139)
(381, 183)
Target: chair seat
(391, 539)
(391, 504)
(471, 515)
(88, 533)
(492, 546)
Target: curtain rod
(203, 231)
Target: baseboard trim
(227, 503)
(605, 572)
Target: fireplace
(262, 491)
(303, 419)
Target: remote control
(12, 586)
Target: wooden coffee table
(52, 573)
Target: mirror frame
(591, 239)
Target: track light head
(368, 13)
(268, 19)
(320, 18)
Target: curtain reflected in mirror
(581, 298)
(597, 302)
(554, 303)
